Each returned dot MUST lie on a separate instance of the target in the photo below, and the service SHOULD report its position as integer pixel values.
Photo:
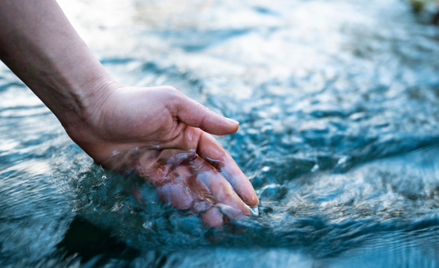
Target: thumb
(194, 114)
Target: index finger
(210, 150)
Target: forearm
(41, 47)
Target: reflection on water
(339, 109)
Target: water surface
(339, 109)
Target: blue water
(338, 104)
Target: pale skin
(156, 132)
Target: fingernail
(232, 121)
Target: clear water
(339, 109)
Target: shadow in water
(93, 246)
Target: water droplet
(265, 169)
(147, 225)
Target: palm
(159, 133)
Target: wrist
(86, 105)
(42, 48)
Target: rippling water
(339, 109)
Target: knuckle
(174, 97)
(171, 91)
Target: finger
(171, 188)
(203, 197)
(176, 194)
(222, 191)
(230, 212)
(157, 166)
(203, 202)
(198, 187)
(209, 149)
(206, 199)
(212, 217)
(194, 114)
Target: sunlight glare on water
(338, 104)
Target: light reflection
(326, 92)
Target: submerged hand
(164, 136)
(157, 132)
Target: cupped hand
(165, 137)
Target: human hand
(157, 132)
(163, 136)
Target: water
(339, 109)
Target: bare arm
(157, 132)
(41, 47)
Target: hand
(157, 132)
(164, 136)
